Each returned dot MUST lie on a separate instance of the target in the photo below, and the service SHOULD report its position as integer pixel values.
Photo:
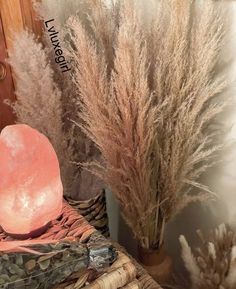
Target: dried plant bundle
(150, 113)
(213, 265)
(56, 94)
(38, 101)
(93, 13)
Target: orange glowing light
(30, 185)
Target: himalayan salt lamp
(31, 191)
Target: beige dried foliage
(38, 101)
(213, 265)
(58, 91)
(150, 115)
(103, 21)
(94, 15)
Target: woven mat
(125, 273)
(144, 279)
(122, 274)
(94, 211)
(69, 224)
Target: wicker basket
(69, 224)
(94, 211)
(122, 274)
(144, 279)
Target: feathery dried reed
(213, 265)
(150, 113)
(84, 184)
(39, 84)
(38, 101)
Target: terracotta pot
(157, 263)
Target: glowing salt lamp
(30, 184)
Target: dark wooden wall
(15, 15)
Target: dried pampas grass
(38, 101)
(91, 13)
(40, 83)
(150, 108)
(213, 265)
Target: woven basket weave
(94, 211)
(144, 279)
(70, 224)
(122, 274)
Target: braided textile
(94, 211)
(69, 247)
(69, 224)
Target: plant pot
(157, 263)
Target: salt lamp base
(34, 234)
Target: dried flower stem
(150, 118)
(38, 101)
(214, 264)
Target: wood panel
(30, 18)
(12, 19)
(6, 85)
(15, 15)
